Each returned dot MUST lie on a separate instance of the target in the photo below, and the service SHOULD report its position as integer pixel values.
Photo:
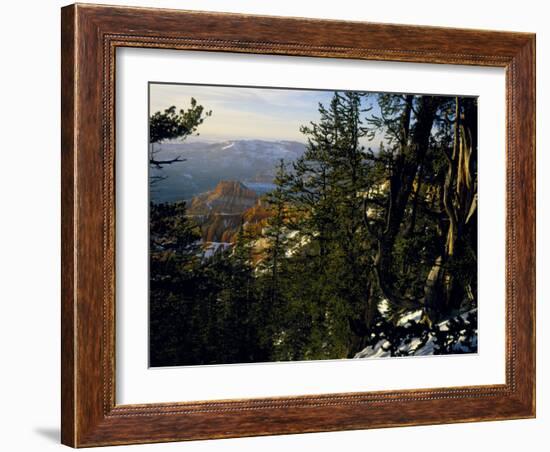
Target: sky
(244, 113)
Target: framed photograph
(281, 225)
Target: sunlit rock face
(229, 197)
(222, 211)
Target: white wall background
(29, 225)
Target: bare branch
(159, 163)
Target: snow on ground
(298, 246)
(212, 248)
(415, 347)
(230, 145)
(384, 308)
(380, 350)
(413, 316)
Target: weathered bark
(459, 199)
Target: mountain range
(252, 162)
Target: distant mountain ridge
(206, 163)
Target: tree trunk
(442, 293)
(412, 150)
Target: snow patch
(380, 350)
(416, 346)
(413, 316)
(211, 248)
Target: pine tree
(324, 194)
(174, 249)
(171, 124)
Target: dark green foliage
(207, 311)
(169, 125)
(176, 124)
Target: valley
(222, 184)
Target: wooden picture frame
(90, 36)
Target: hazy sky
(259, 113)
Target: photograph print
(296, 224)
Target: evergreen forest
(364, 246)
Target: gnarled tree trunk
(459, 200)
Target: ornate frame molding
(90, 37)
